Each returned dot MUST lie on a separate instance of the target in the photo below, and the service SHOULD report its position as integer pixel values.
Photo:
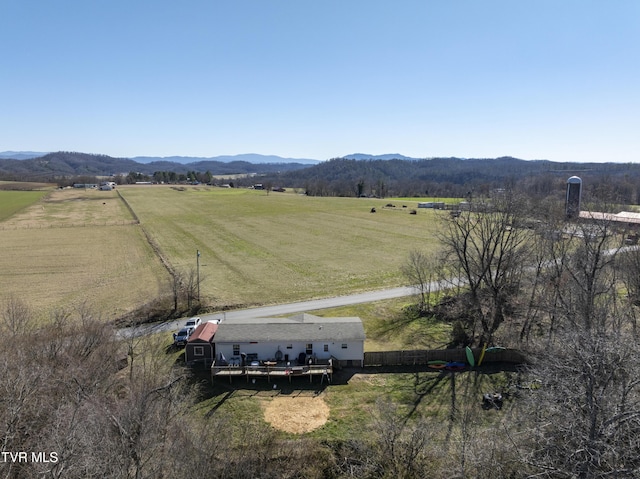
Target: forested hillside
(437, 177)
(454, 177)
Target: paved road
(303, 306)
(277, 310)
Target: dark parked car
(181, 337)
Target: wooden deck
(273, 371)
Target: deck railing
(272, 370)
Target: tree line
(57, 166)
(435, 177)
(566, 292)
(455, 177)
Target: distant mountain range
(30, 165)
(248, 157)
(33, 164)
(254, 158)
(388, 156)
(20, 155)
(183, 160)
(259, 159)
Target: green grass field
(12, 202)
(256, 248)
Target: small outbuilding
(200, 350)
(436, 205)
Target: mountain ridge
(441, 177)
(386, 156)
(255, 158)
(64, 163)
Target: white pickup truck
(193, 322)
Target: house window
(236, 350)
(309, 348)
(344, 345)
(326, 348)
(198, 350)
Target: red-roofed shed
(200, 350)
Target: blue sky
(544, 79)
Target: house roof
(302, 327)
(622, 217)
(204, 333)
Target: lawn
(388, 328)
(354, 398)
(256, 248)
(259, 248)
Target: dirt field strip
(78, 245)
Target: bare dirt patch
(296, 414)
(372, 379)
(73, 208)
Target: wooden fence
(423, 356)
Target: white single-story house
(297, 339)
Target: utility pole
(198, 271)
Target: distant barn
(436, 205)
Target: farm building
(200, 350)
(436, 205)
(298, 339)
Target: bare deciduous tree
(586, 415)
(422, 272)
(486, 245)
(401, 446)
(177, 281)
(17, 317)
